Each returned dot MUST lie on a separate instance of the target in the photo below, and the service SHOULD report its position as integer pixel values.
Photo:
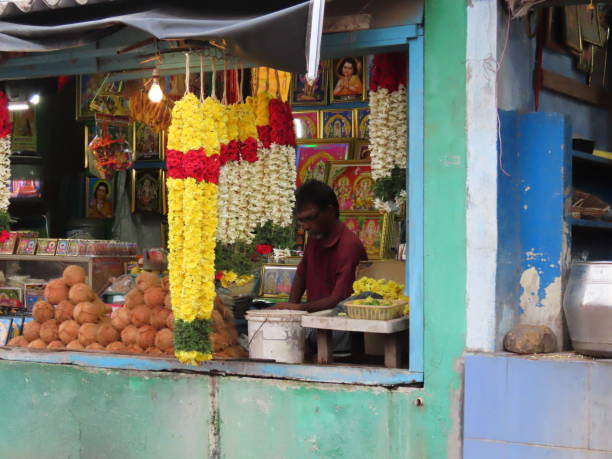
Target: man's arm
(297, 288)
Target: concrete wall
(558, 408)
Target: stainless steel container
(588, 307)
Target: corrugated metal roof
(18, 7)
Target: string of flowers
(388, 128)
(193, 166)
(5, 166)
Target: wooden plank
(393, 353)
(355, 325)
(324, 347)
(575, 89)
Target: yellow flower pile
(231, 279)
(388, 289)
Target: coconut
(74, 345)
(73, 275)
(87, 333)
(141, 316)
(170, 321)
(121, 318)
(57, 344)
(49, 331)
(64, 311)
(154, 296)
(42, 311)
(117, 347)
(146, 280)
(95, 347)
(37, 344)
(135, 349)
(129, 335)
(80, 293)
(159, 317)
(164, 339)
(168, 301)
(146, 336)
(18, 341)
(68, 331)
(154, 351)
(56, 291)
(101, 306)
(106, 334)
(31, 331)
(86, 312)
(133, 299)
(165, 283)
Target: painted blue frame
(408, 38)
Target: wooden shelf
(80, 259)
(591, 223)
(591, 158)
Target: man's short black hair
(317, 193)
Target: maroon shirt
(329, 264)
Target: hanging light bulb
(155, 92)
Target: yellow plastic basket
(372, 312)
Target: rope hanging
(187, 65)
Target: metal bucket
(588, 308)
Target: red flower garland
(193, 164)
(389, 71)
(5, 118)
(281, 123)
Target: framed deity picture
(353, 184)
(312, 158)
(336, 124)
(361, 118)
(99, 199)
(62, 248)
(73, 247)
(6, 324)
(8, 247)
(23, 137)
(304, 93)
(26, 247)
(97, 94)
(348, 79)
(306, 124)
(148, 191)
(148, 144)
(361, 149)
(372, 228)
(276, 280)
(46, 247)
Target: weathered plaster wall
(481, 210)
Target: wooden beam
(575, 89)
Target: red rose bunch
(4, 236)
(5, 119)
(263, 249)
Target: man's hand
(290, 306)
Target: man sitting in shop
(332, 253)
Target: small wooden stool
(325, 323)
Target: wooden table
(325, 323)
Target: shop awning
(271, 33)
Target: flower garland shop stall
(189, 135)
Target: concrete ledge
(334, 374)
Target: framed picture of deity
(306, 123)
(361, 149)
(304, 93)
(353, 184)
(348, 76)
(276, 280)
(99, 199)
(361, 117)
(312, 157)
(336, 124)
(148, 191)
(148, 144)
(97, 94)
(372, 229)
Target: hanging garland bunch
(388, 130)
(5, 166)
(193, 172)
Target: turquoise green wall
(54, 411)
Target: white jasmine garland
(5, 172)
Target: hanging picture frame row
(342, 123)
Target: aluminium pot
(588, 307)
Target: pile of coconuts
(73, 317)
